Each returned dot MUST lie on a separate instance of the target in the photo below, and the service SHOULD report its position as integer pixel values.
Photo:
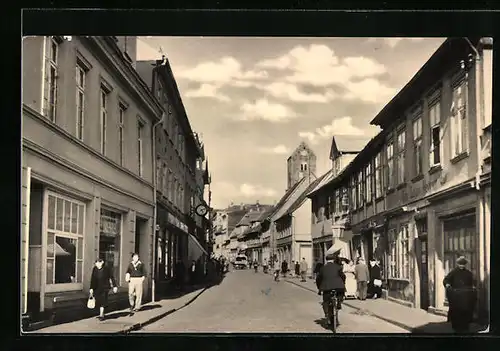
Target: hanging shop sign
(176, 222)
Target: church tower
(300, 164)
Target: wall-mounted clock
(201, 210)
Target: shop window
(458, 120)
(110, 240)
(460, 238)
(399, 253)
(64, 250)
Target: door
(423, 273)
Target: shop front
(68, 230)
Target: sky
(253, 100)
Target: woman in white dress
(350, 282)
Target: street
(252, 302)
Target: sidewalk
(120, 321)
(412, 319)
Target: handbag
(377, 282)
(91, 302)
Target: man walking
(135, 276)
(362, 278)
(317, 267)
(303, 270)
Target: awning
(59, 250)
(341, 246)
(195, 250)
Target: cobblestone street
(253, 302)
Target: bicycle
(333, 315)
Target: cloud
(338, 126)
(250, 190)
(393, 42)
(244, 190)
(208, 91)
(262, 109)
(368, 90)
(319, 66)
(279, 150)
(291, 92)
(220, 72)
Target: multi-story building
(420, 192)
(220, 231)
(329, 223)
(236, 228)
(251, 236)
(290, 231)
(180, 177)
(87, 167)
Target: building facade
(330, 207)
(87, 168)
(419, 192)
(181, 175)
(220, 232)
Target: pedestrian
(135, 276)
(317, 267)
(264, 266)
(461, 294)
(375, 285)
(101, 281)
(297, 269)
(362, 278)
(284, 268)
(303, 269)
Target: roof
(325, 178)
(302, 145)
(253, 215)
(367, 152)
(266, 213)
(447, 55)
(285, 197)
(302, 197)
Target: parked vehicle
(240, 262)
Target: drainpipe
(155, 215)
(478, 67)
(27, 238)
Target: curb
(140, 325)
(396, 323)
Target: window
(338, 201)
(354, 197)
(64, 255)
(50, 79)
(401, 157)
(390, 165)
(327, 207)
(459, 119)
(159, 174)
(110, 240)
(460, 238)
(417, 145)
(333, 203)
(369, 180)
(170, 186)
(121, 132)
(360, 189)
(336, 166)
(104, 119)
(140, 130)
(435, 137)
(399, 253)
(378, 175)
(164, 184)
(80, 100)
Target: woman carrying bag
(101, 282)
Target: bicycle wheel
(333, 316)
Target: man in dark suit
(329, 279)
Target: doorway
(422, 258)
(35, 249)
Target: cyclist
(330, 279)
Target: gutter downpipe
(478, 67)
(155, 215)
